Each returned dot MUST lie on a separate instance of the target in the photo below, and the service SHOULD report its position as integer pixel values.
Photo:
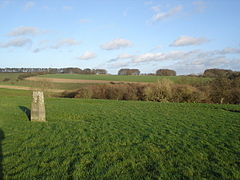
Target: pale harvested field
(29, 88)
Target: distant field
(103, 139)
(11, 76)
(93, 80)
(51, 85)
(13, 92)
(177, 79)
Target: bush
(224, 90)
(69, 94)
(26, 75)
(84, 93)
(220, 90)
(160, 92)
(6, 79)
(187, 93)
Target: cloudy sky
(185, 35)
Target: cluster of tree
(23, 70)
(74, 70)
(160, 72)
(54, 70)
(217, 73)
(165, 72)
(128, 72)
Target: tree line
(54, 70)
(74, 70)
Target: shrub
(160, 92)
(69, 94)
(220, 90)
(224, 90)
(26, 75)
(84, 93)
(6, 79)
(187, 93)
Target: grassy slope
(13, 82)
(87, 139)
(177, 79)
(11, 76)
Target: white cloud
(210, 62)
(18, 42)
(45, 44)
(173, 55)
(156, 8)
(200, 5)
(119, 65)
(84, 20)
(120, 57)
(25, 30)
(67, 8)
(156, 48)
(116, 44)
(230, 51)
(87, 55)
(196, 61)
(65, 42)
(29, 5)
(148, 2)
(36, 50)
(188, 56)
(124, 56)
(164, 15)
(199, 65)
(187, 41)
(5, 3)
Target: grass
(13, 92)
(103, 139)
(11, 76)
(49, 85)
(13, 82)
(177, 79)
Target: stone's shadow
(1, 154)
(26, 111)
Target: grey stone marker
(38, 107)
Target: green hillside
(103, 139)
(141, 78)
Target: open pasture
(13, 81)
(104, 139)
(141, 78)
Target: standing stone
(38, 107)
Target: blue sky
(185, 35)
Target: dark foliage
(26, 75)
(220, 90)
(225, 90)
(165, 72)
(6, 79)
(217, 73)
(128, 72)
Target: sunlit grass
(177, 79)
(103, 139)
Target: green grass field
(13, 82)
(11, 76)
(177, 79)
(103, 139)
